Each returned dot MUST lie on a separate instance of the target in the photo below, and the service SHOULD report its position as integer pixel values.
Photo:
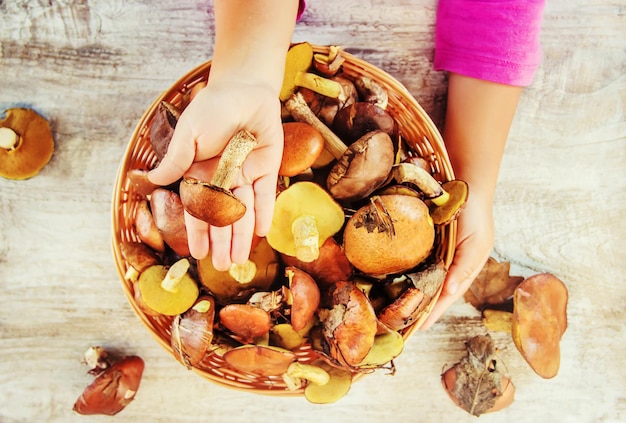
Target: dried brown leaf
(493, 285)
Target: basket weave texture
(416, 129)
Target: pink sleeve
(494, 40)
(301, 8)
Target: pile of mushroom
(349, 264)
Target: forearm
(252, 38)
(479, 116)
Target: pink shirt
(494, 40)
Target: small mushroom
(114, 387)
(305, 297)
(363, 168)
(476, 383)
(331, 266)
(139, 257)
(168, 291)
(146, 228)
(338, 385)
(358, 156)
(304, 217)
(403, 311)
(447, 200)
(356, 120)
(26, 143)
(371, 91)
(260, 360)
(233, 285)
(213, 202)
(192, 332)
(247, 322)
(297, 65)
(168, 214)
(349, 323)
(303, 145)
(391, 234)
(329, 64)
(309, 372)
(162, 128)
(140, 182)
(539, 321)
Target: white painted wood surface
(93, 66)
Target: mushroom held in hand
(539, 321)
(162, 128)
(26, 143)
(391, 234)
(114, 387)
(214, 203)
(304, 217)
(168, 291)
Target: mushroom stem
(243, 273)
(232, 158)
(408, 172)
(306, 238)
(300, 111)
(8, 138)
(174, 275)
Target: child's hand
(203, 130)
(475, 238)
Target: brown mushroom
(231, 286)
(391, 234)
(146, 228)
(140, 183)
(476, 383)
(539, 321)
(331, 265)
(371, 91)
(168, 291)
(114, 387)
(26, 143)
(347, 158)
(260, 360)
(357, 119)
(213, 202)
(305, 297)
(192, 332)
(446, 200)
(298, 62)
(168, 214)
(304, 217)
(329, 64)
(363, 168)
(162, 127)
(247, 322)
(349, 323)
(303, 145)
(139, 257)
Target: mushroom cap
(210, 203)
(336, 388)
(260, 360)
(303, 198)
(168, 214)
(539, 321)
(363, 168)
(192, 331)
(305, 297)
(169, 303)
(299, 59)
(303, 145)
(392, 234)
(246, 321)
(34, 147)
(226, 289)
(457, 190)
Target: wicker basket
(415, 127)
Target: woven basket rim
(400, 99)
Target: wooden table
(93, 67)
